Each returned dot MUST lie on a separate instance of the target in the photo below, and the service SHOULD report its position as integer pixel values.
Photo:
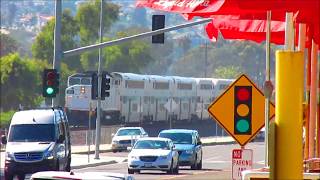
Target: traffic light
(243, 110)
(50, 83)
(105, 86)
(158, 23)
(94, 86)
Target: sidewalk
(79, 158)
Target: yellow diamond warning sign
(240, 110)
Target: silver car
(153, 154)
(126, 137)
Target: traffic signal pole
(98, 120)
(130, 38)
(57, 54)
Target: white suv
(126, 137)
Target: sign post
(242, 159)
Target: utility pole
(57, 53)
(98, 121)
(205, 58)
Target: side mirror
(4, 139)
(174, 147)
(129, 148)
(199, 143)
(112, 134)
(60, 139)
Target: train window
(135, 84)
(162, 108)
(152, 100)
(185, 106)
(73, 81)
(223, 86)
(198, 99)
(134, 107)
(206, 86)
(186, 86)
(161, 85)
(146, 99)
(117, 82)
(86, 81)
(70, 91)
(123, 99)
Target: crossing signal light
(158, 23)
(94, 86)
(105, 86)
(243, 110)
(50, 83)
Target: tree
(8, 45)
(43, 46)
(20, 82)
(88, 17)
(228, 72)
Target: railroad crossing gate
(240, 110)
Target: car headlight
(48, 155)
(189, 151)
(134, 157)
(9, 156)
(163, 157)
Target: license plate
(147, 164)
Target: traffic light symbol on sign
(243, 110)
(105, 86)
(50, 83)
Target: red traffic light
(243, 94)
(51, 75)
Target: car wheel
(114, 151)
(21, 176)
(171, 170)
(194, 165)
(176, 169)
(68, 166)
(57, 168)
(199, 166)
(8, 176)
(130, 171)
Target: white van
(38, 140)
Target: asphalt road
(216, 164)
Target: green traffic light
(49, 90)
(242, 126)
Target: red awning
(308, 11)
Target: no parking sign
(241, 160)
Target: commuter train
(136, 98)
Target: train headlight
(82, 90)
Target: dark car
(188, 144)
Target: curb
(93, 165)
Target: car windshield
(128, 132)
(178, 138)
(151, 144)
(32, 133)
